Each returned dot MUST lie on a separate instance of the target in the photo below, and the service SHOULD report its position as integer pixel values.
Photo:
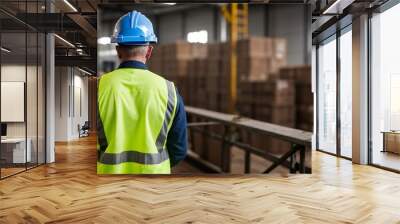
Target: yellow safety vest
(135, 111)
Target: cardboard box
(214, 67)
(155, 65)
(214, 146)
(298, 73)
(304, 96)
(177, 51)
(253, 47)
(174, 67)
(305, 114)
(279, 48)
(253, 68)
(199, 51)
(214, 51)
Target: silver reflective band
(162, 136)
(147, 158)
(134, 156)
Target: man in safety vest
(142, 120)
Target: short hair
(133, 50)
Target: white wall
(286, 21)
(70, 83)
(257, 20)
(170, 28)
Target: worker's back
(136, 109)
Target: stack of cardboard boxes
(270, 101)
(301, 76)
(259, 57)
(268, 90)
(218, 77)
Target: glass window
(346, 93)
(385, 88)
(22, 91)
(15, 149)
(198, 37)
(327, 96)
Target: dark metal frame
(230, 138)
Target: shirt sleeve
(177, 135)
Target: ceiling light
(5, 50)
(338, 6)
(84, 71)
(65, 41)
(104, 40)
(169, 3)
(70, 5)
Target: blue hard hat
(133, 28)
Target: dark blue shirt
(177, 135)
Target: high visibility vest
(135, 111)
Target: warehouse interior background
(285, 87)
(193, 51)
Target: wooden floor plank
(69, 191)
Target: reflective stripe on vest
(147, 158)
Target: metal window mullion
(317, 97)
(72, 93)
(369, 97)
(45, 91)
(338, 95)
(26, 87)
(0, 92)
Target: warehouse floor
(69, 191)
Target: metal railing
(233, 125)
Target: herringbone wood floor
(69, 191)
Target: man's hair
(133, 50)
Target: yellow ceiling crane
(237, 15)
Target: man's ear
(149, 52)
(118, 51)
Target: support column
(360, 90)
(314, 91)
(50, 92)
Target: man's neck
(143, 60)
